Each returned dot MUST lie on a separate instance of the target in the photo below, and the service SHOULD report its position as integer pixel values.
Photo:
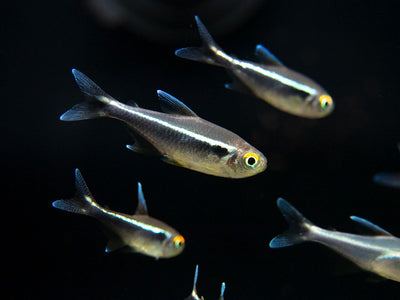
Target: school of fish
(180, 137)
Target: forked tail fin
(209, 52)
(95, 103)
(299, 226)
(82, 203)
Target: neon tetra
(269, 80)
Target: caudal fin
(209, 52)
(82, 203)
(95, 103)
(299, 226)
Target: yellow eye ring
(251, 159)
(178, 241)
(325, 100)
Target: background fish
(269, 80)
(179, 135)
(138, 233)
(379, 253)
(390, 179)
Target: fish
(195, 296)
(130, 233)
(378, 253)
(269, 80)
(390, 179)
(177, 134)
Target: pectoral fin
(141, 145)
(114, 243)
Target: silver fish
(379, 253)
(390, 179)
(137, 233)
(269, 80)
(179, 135)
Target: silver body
(269, 79)
(136, 233)
(178, 135)
(189, 141)
(378, 253)
(285, 89)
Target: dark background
(324, 167)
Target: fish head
(322, 104)
(246, 162)
(173, 246)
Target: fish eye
(178, 241)
(250, 159)
(325, 100)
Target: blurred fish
(379, 253)
(164, 21)
(269, 80)
(388, 179)
(179, 135)
(135, 233)
(195, 296)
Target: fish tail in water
(95, 104)
(299, 230)
(209, 53)
(82, 203)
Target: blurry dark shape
(389, 179)
(167, 21)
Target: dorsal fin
(266, 57)
(170, 105)
(375, 228)
(194, 295)
(141, 207)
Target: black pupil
(251, 161)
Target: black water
(324, 167)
